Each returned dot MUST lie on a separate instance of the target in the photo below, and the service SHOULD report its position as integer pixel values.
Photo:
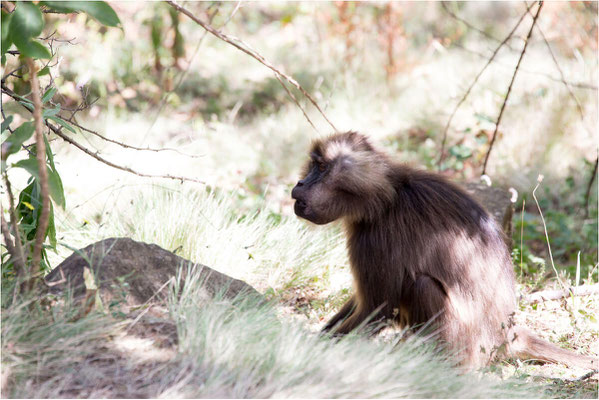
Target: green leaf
(62, 123)
(98, 9)
(4, 135)
(49, 93)
(6, 40)
(54, 182)
(51, 232)
(56, 188)
(33, 48)
(6, 123)
(44, 71)
(49, 154)
(17, 138)
(50, 112)
(26, 22)
(30, 165)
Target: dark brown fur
(421, 251)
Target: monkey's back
(434, 229)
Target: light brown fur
(421, 250)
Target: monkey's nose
(295, 193)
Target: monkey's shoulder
(435, 195)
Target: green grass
(226, 348)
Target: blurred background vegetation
(394, 71)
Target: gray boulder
(498, 203)
(134, 272)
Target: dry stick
(184, 73)
(489, 61)
(539, 180)
(113, 165)
(579, 85)
(522, 236)
(580, 110)
(544, 295)
(509, 89)
(128, 146)
(15, 96)
(20, 254)
(589, 186)
(40, 151)
(296, 102)
(95, 155)
(241, 45)
(561, 73)
(10, 246)
(469, 25)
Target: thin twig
(95, 155)
(579, 85)
(11, 73)
(128, 146)
(296, 102)
(474, 28)
(171, 279)
(184, 73)
(489, 61)
(539, 180)
(244, 47)
(522, 236)
(538, 297)
(587, 194)
(54, 129)
(561, 73)
(40, 151)
(10, 246)
(509, 89)
(21, 257)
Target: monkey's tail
(526, 345)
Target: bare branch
(509, 89)
(295, 101)
(561, 73)
(166, 95)
(241, 45)
(545, 295)
(589, 186)
(15, 96)
(128, 146)
(95, 155)
(489, 61)
(19, 254)
(474, 28)
(579, 85)
(40, 151)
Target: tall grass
(237, 348)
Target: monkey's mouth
(303, 210)
(300, 208)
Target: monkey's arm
(348, 319)
(347, 309)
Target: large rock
(134, 272)
(498, 203)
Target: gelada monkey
(421, 250)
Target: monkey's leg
(427, 300)
(345, 311)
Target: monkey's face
(314, 194)
(345, 178)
